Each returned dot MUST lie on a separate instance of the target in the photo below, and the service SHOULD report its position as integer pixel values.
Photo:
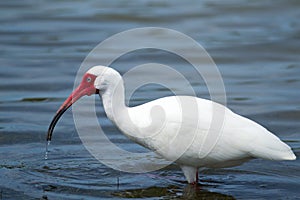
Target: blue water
(255, 44)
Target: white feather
(193, 131)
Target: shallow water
(255, 45)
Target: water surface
(255, 44)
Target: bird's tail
(272, 148)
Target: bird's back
(203, 133)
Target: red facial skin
(86, 87)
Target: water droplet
(47, 146)
(46, 155)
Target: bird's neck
(114, 102)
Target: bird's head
(95, 80)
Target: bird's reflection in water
(172, 192)
(196, 192)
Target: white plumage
(182, 128)
(155, 123)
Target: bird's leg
(190, 173)
(197, 177)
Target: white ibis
(239, 138)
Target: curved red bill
(86, 87)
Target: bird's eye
(88, 79)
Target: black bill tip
(54, 121)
